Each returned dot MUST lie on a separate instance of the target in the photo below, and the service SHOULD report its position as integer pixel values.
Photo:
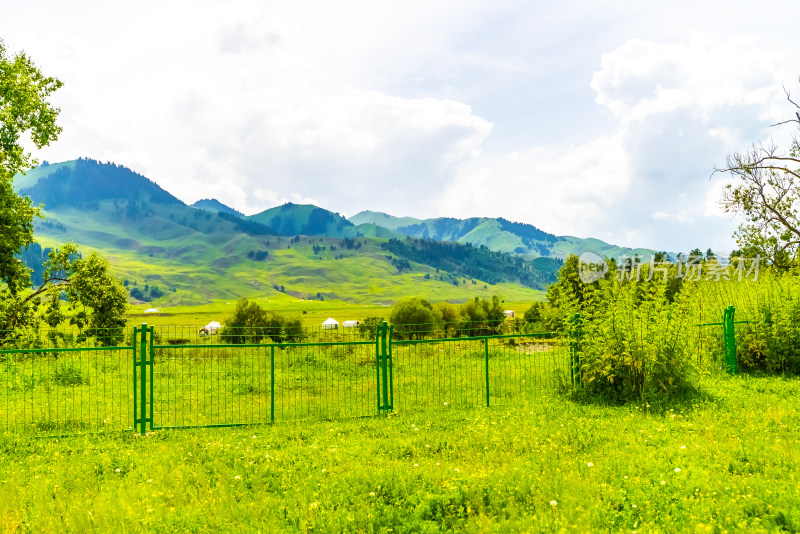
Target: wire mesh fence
(478, 371)
(64, 381)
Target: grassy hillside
(304, 219)
(212, 204)
(382, 219)
(498, 234)
(196, 257)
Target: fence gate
(383, 363)
(142, 377)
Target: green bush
(250, 323)
(635, 343)
(412, 318)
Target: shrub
(634, 343)
(412, 318)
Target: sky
(584, 118)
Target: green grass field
(725, 460)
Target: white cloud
(457, 108)
(641, 79)
(567, 191)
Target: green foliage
(764, 191)
(97, 299)
(412, 318)
(768, 320)
(368, 326)
(250, 323)
(448, 317)
(24, 111)
(634, 342)
(542, 317)
(481, 317)
(468, 261)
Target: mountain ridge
(497, 234)
(191, 254)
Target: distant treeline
(471, 262)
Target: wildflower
(371, 493)
(445, 403)
(663, 482)
(677, 469)
(416, 465)
(117, 470)
(553, 503)
(590, 464)
(683, 446)
(634, 506)
(237, 477)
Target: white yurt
(211, 328)
(330, 324)
(350, 324)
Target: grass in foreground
(725, 462)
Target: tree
(765, 191)
(247, 324)
(97, 300)
(412, 318)
(481, 317)
(250, 323)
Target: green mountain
(382, 219)
(498, 234)
(304, 219)
(212, 204)
(172, 254)
(83, 183)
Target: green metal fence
(170, 377)
(48, 387)
(178, 377)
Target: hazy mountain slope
(304, 219)
(171, 253)
(382, 219)
(212, 204)
(497, 234)
(84, 183)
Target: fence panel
(68, 386)
(211, 383)
(481, 371)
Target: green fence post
(385, 365)
(143, 380)
(151, 353)
(575, 334)
(134, 345)
(486, 353)
(272, 384)
(378, 365)
(391, 370)
(729, 340)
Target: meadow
(722, 460)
